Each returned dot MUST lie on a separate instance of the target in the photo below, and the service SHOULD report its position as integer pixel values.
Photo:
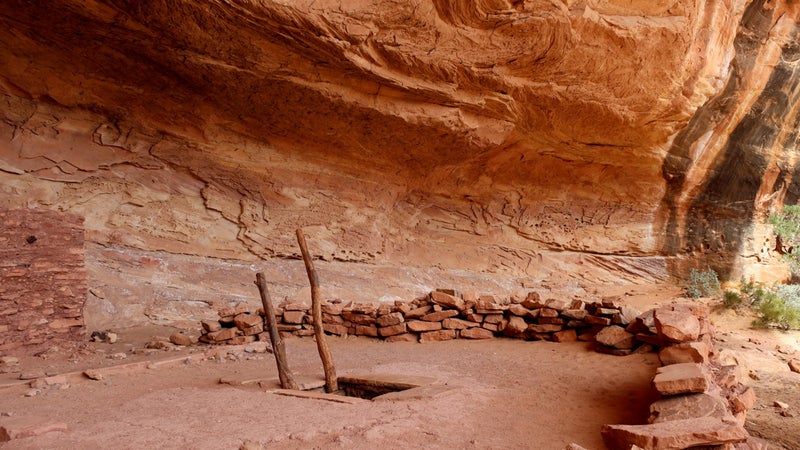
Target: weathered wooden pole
(331, 383)
(279, 350)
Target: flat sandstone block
(687, 352)
(447, 301)
(616, 337)
(441, 335)
(676, 434)
(476, 333)
(691, 406)
(12, 429)
(676, 326)
(682, 378)
(421, 325)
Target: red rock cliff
(599, 139)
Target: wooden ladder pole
(279, 350)
(331, 382)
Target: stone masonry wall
(700, 400)
(442, 315)
(43, 280)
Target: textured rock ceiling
(525, 137)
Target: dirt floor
(497, 394)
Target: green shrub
(787, 226)
(776, 306)
(702, 284)
(732, 299)
(775, 310)
(747, 287)
(790, 293)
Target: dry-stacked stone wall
(439, 316)
(700, 401)
(43, 287)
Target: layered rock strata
(592, 140)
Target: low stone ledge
(674, 434)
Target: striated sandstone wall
(508, 141)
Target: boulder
(575, 314)
(223, 334)
(366, 330)
(211, 325)
(742, 399)
(519, 310)
(597, 320)
(351, 316)
(548, 312)
(181, 339)
(628, 314)
(544, 328)
(332, 328)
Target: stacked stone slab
(702, 402)
(43, 287)
(441, 315)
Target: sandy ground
(501, 394)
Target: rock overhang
(528, 138)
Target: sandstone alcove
(155, 155)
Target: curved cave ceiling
(491, 135)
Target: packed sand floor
(492, 394)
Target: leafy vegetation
(786, 225)
(732, 299)
(776, 306)
(702, 284)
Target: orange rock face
(603, 139)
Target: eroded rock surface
(599, 140)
